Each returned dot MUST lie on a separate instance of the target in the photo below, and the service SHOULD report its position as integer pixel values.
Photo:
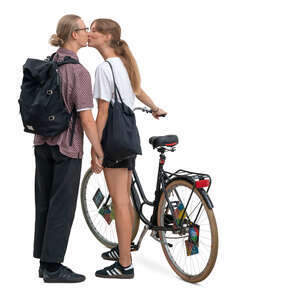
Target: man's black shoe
(63, 274)
(52, 267)
(41, 271)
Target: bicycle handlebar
(146, 110)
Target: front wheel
(104, 232)
(191, 255)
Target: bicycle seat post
(162, 159)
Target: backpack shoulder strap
(74, 115)
(67, 60)
(50, 58)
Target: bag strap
(74, 114)
(50, 58)
(115, 85)
(68, 60)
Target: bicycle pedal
(134, 247)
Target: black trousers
(57, 179)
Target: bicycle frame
(160, 186)
(163, 177)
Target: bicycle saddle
(164, 140)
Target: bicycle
(182, 221)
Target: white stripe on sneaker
(117, 271)
(109, 273)
(116, 253)
(112, 272)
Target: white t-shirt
(104, 84)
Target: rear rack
(194, 175)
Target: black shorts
(128, 163)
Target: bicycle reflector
(202, 183)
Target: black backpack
(42, 107)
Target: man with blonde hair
(59, 158)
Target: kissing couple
(58, 159)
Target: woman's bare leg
(131, 209)
(117, 182)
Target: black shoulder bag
(120, 138)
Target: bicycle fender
(206, 198)
(201, 190)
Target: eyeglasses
(86, 29)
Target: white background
(227, 73)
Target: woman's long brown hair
(121, 48)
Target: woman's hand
(158, 113)
(96, 164)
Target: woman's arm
(143, 97)
(156, 111)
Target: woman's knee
(121, 201)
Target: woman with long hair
(105, 36)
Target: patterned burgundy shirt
(76, 89)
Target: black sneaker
(63, 274)
(116, 270)
(41, 271)
(113, 254)
(42, 268)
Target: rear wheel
(104, 232)
(195, 267)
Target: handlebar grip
(144, 109)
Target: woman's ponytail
(129, 61)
